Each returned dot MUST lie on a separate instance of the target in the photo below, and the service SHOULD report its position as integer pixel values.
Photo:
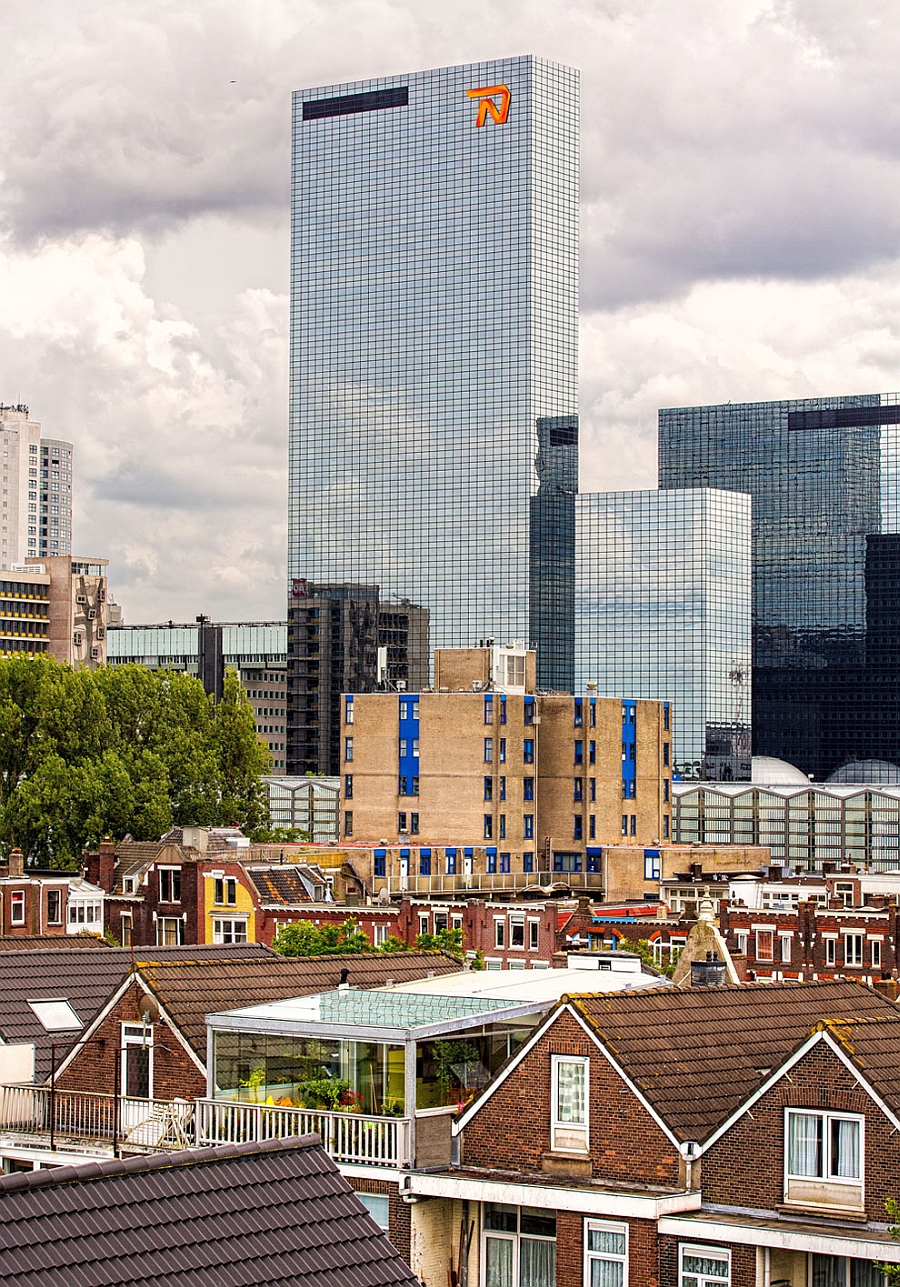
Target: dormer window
(824, 1159)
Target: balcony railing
(348, 1137)
(75, 1120)
(501, 880)
(66, 1118)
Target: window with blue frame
(592, 752)
(528, 750)
(504, 862)
(491, 861)
(593, 860)
(488, 750)
(578, 789)
(488, 827)
(528, 862)
(529, 710)
(380, 862)
(651, 864)
(593, 793)
(579, 752)
(593, 712)
(348, 786)
(665, 790)
(666, 716)
(348, 749)
(488, 788)
(624, 824)
(577, 827)
(502, 788)
(413, 824)
(348, 710)
(566, 862)
(489, 710)
(502, 750)
(451, 861)
(579, 712)
(501, 833)
(633, 825)
(592, 826)
(665, 826)
(424, 862)
(528, 788)
(503, 709)
(665, 752)
(528, 826)
(348, 823)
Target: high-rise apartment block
(542, 781)
(344, 639)
(662, 611)
(434, 318)
(36, 484)
(825, 485)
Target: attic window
(56, 1015)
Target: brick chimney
(107, 864)
(17, 863)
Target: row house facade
(35, 902)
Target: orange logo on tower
(487, 107)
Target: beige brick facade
(545, 775)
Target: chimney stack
(107, 864)
(17, 863)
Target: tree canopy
(121, 750)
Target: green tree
(445, 940)
(243, 758)
(891, 1271)
(303, 938)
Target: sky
(740, 221)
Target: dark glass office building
(823, 477)
(434, 317)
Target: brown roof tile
(282, 885)
(190, 990)
(697, 1054)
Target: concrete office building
(257, 650)
(825, 485)
(36, 478)
(55, 607)
(484, 759)
(434, 318)
(662, 611)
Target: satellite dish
(149, 1009)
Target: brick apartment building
(38, 902)
(484, 759)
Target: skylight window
(56, 1015)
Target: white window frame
(604, 1257)
(826, 1178)
(785, 941)
(770, 935)
(562, 1133)
(379, 934)
(135, 1034)
(875, 952)
(219, 932)
(17, 905)
(517, 922)
(58, 918)
(831, 949)
(708, 1253)
(534, 935)
(161, 922)
(169, 872)
(423, 922)
(500, 932)
(859, 939)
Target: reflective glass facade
(434, 314)
(662, 610)
(823, 474)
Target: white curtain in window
(803, 1144)
(499, 1262)
(537, 1263)
(607, 1273)
(845, 1149)
(829, 1271)
(570, 1093)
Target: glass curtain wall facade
(823, 475)
(434, 312)
(662, 610)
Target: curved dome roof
(768, 771)
(859, 771)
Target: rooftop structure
(37, 477)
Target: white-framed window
(824, 1146)
(534, 934)
(831, 951)
(493, 963)
(569, 1106)
(853, 949)
(169, 931)
(519, 1246)
(605, 1254)
(137, 1061)
(17, 907)
(423, 922)
(54, 907)
(743, 940)
(499, 932)
(517, 931)
(229, 931)
(785, 940)
(875, 949)
(170, 884)
(125, 929)
(225, 892)
(379, 934)
(703, 1266)
(765, 945)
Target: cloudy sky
(741, 208)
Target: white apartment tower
(35, 490)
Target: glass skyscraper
(662, 610)
(434, 315)
(823, 476)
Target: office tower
(823, 475)
(344, 639)
(662, 610)
(433, 451)
(544, 779)
(36, 479)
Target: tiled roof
(873, 1044)
(38, 942)
(86, 980)
(189, 992)
(134, 856)
(697, 1054)
(283, 885)
(233, 1216)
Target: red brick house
(730, 1137)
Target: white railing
(69, 1115)
(348, 1137)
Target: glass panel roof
(376, 1009)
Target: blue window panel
(579, 712)
(529, 710)
(528, 862)
(489, 710)
(528, 826)
(593, 858)
(408, 744)
(468, 853)
(528, 750)
(528, 789)
(503, 708)
(424, 862)
(451, 861)
(504, 862)
(380, 862)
